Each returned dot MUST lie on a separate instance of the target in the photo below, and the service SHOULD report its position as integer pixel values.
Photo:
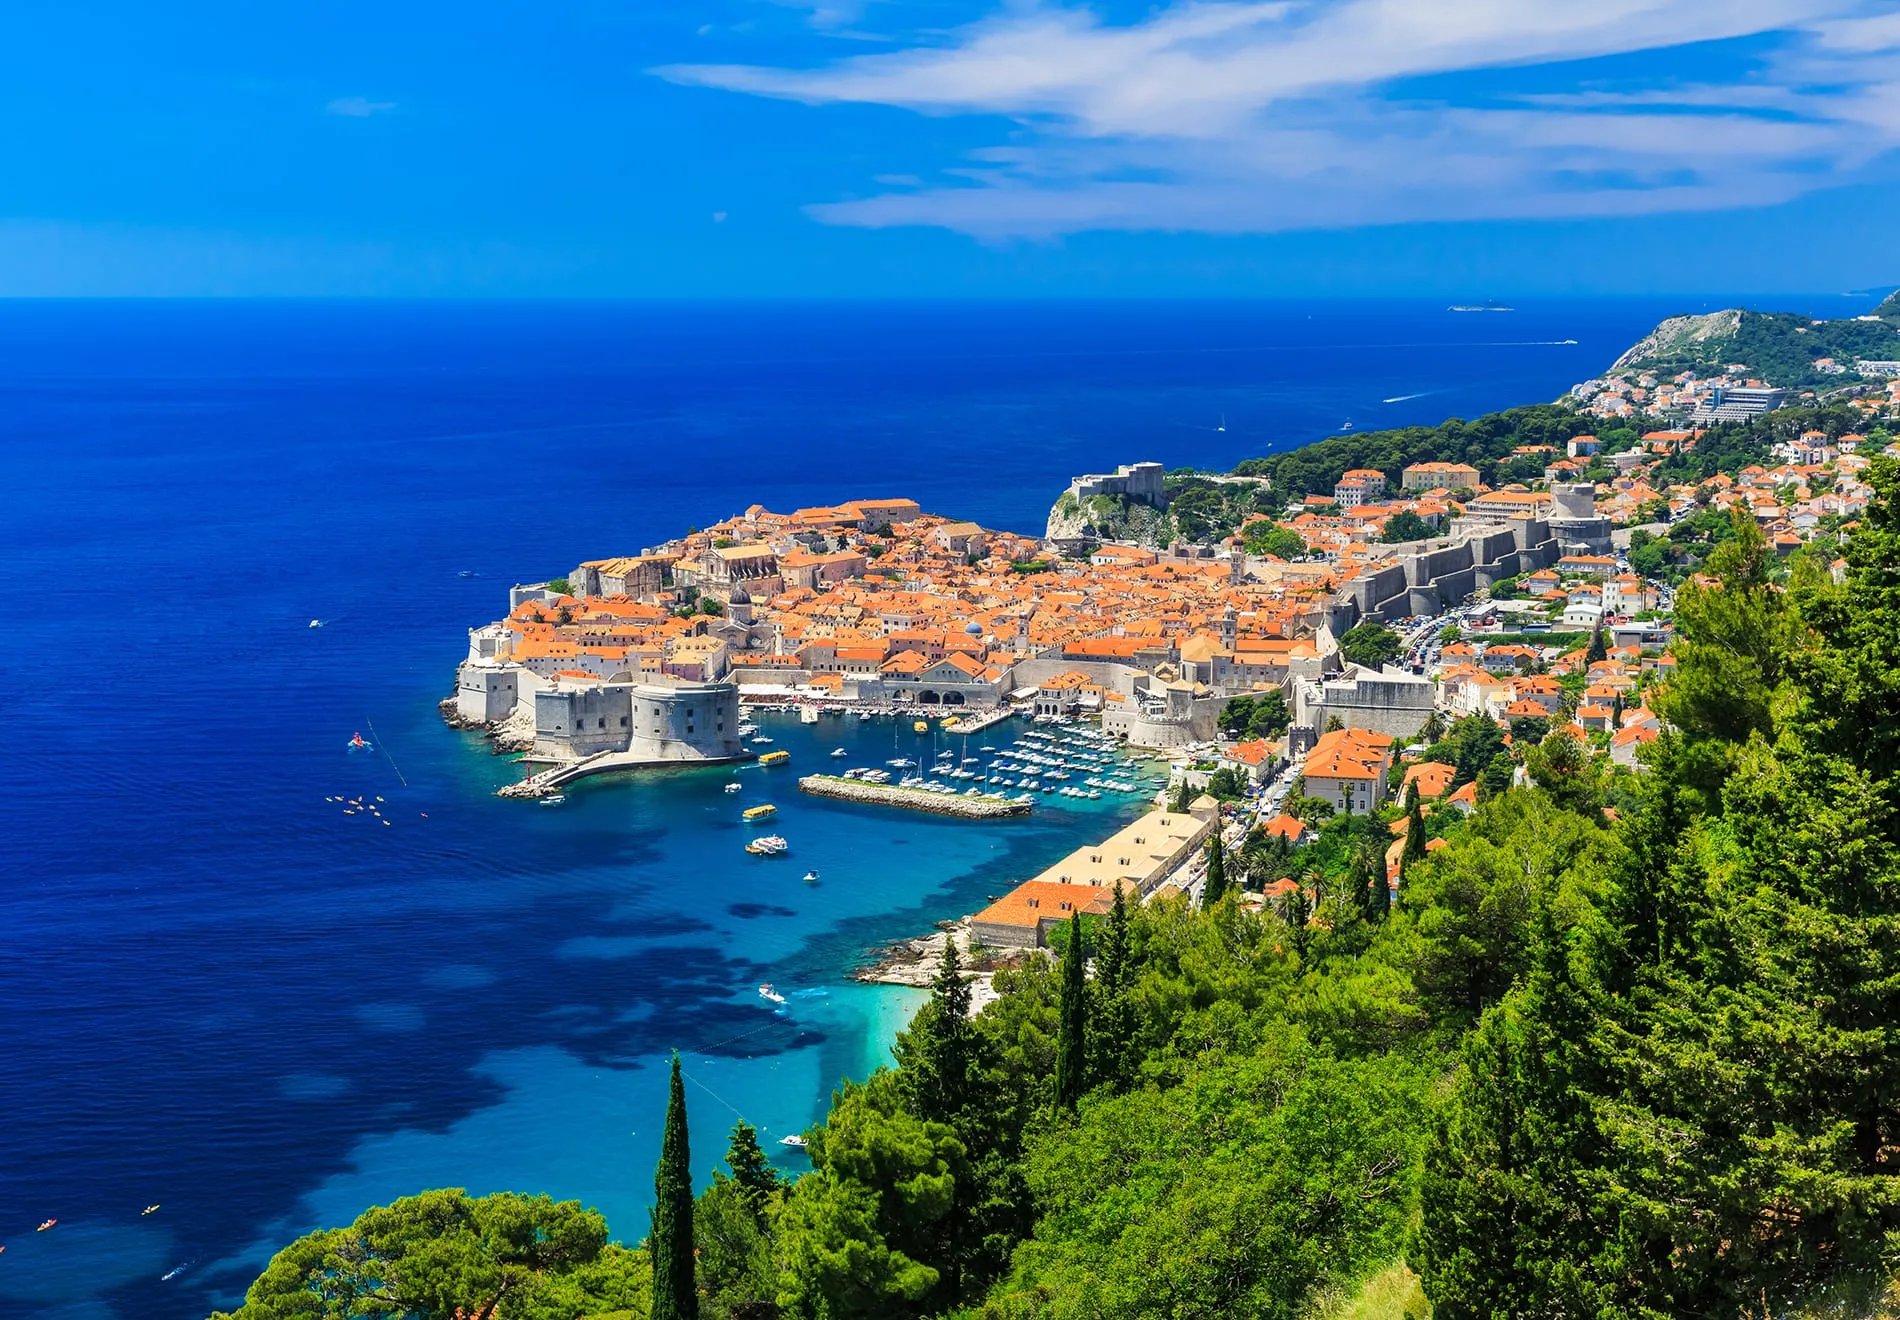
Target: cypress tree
(1180, 806)
(675, 1291)
(1414, 830)
(1111, 1041)
(1367, 884)
(1295, 913)
(1072, 1032)
(1216, 886)
(1598, 651)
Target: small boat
(761, 739)
(172, 1273)
(921, 727)
(767, 992)
(48, 1224)
(808, 714)
(811, 877)
(794, 1140)
(357, 743)
(771, 845)
(316, 623)
(468, 573)
(148, 1210)
(759, 812)
(554, 799)
(839, 751)
(775, 758)
(733, 787)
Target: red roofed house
(1022, 918)
(1295, 831)
(1347, 768)
(1432, 778)
(1255, 759)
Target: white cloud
(1255, 115)
(358, 107)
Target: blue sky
(942, 148)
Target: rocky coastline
(514, 734)
(914, 962)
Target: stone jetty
(985, 807)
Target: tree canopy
(1371, 644)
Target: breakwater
(985, 807)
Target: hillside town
(1307, 667)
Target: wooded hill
(1779, 347)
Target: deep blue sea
(220, 995)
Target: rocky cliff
(1682, 336)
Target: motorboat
(554, 799)
(761, 740)
(733, 787)
(358, 743)
(839, 751)
(767, 992)
(48, 1224)
(795, 1141)
(775, 758)
(770, 845)
(811, 877)
(316, 623)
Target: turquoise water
(678, 879)
(224, 996)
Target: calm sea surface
(221, 995)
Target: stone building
(1390, 701)
(654, 719)
(1141, 482)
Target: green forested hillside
(1482, 442)
(1641, 1063)
(1779, 347)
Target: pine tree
(675, 1291)
(1072, 1032)
(1215, 887)
(937, 1055)
(750, 1169)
